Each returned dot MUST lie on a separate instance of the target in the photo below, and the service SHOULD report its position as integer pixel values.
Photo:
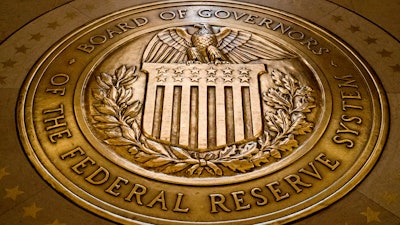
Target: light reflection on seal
(173, 114)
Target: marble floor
(28, 28)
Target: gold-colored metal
(208, 112)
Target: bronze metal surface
(213, 112)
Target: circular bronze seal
(202, 113)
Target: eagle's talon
(221, 62)
(190, 62)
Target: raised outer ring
(319, 130)
(75, 193)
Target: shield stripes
(202, 106)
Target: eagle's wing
(168, 46)
(243, 47)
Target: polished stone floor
(28, 28)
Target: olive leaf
(128, 133)
(106, 119)
(261, 158)
(158, 147)
(300, 126)
(144, 157)
(133, 110)
(180, 153)
(106, 79)
(241, 165)
(105, 125)
(120, 72)
(118, 141)
(113, 94)
(112, 133)
(105, 109)
(227, 152)
(289, 143)
(173, 168)
(157, 162)
(289, 101)
(275, 153)
(118, 110)
(125, 95)
(248, 150)
(98, 94)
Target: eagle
(226, 45)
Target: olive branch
(118, 115)
(118, 110)
(289, 102)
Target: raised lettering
(205, 13)
(111, 33)
(222, 14)
(296, 35)
(160, 198)
(116, 186)
(138, 190)
(57, 122)
(236, 16)
(255, 192)
(60, 134)
(167, 15)
(314, 172)
(239, 201)
(347, 118)
(321, 51)
(100, 176)
(124, 27)
(140, 21)
(346, 106)
(348, 82)
(310, 43)
(294, 181)
(326, 162)
(346, 130)
(59, 79)
(283, 28)
(178, 203)
(82, 164)
(276, 191)
(266, 22)
(338, 140)
(250, 19)
(218, 200)
(352, 95)
(98, 39)
(60, 91)
(182, 13)
(86, 48)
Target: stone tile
(354, 209)
(26, 199)
(385, 178)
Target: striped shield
(201, 106)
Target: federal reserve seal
(210, 112)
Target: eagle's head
(204, 28)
